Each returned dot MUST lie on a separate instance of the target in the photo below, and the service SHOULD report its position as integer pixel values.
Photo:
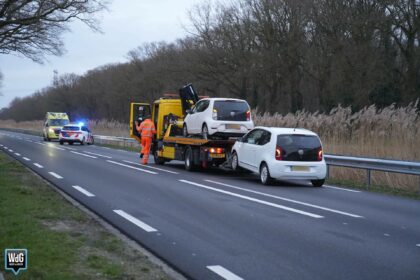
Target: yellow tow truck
(169, 144)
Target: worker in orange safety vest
(146, 129)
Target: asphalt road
(224, 225)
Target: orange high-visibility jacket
(146, 128)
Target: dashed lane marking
(135, 221)
(99, 155)
(223, 272)
(288, 199)
(83, 191)
(55, 175)
(151, 167)
(83, 154)
(294, 210)
(132, 167)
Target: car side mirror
(189, 111)
(47, 125)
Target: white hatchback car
(71, 133)
(281, 153)
(226, 117)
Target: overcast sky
(127, 25)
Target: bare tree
(34, 28)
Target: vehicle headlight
(51, 130)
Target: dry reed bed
(392, 133)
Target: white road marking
(106, 148)
(255, 200)
(71, 149)
(38, 165)
(10, 150)
(341, 189)
(128, 166)
(83, 191)
(223, 272)
(288, 199)
(40, 143)
(55, 175)
(135, 221)
(99, 155)
(418, 245)
(164, 170)
(83, 154)
(17, 154)
(25, 158)
(387, 234)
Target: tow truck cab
(53, 123)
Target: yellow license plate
(233, 126)
(300, 168)
(217, 155)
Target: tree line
(279, 55)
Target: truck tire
(189, 160)
(158, 160)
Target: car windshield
(231, 110)
(58, 122)
(71, 128)
(299, 147)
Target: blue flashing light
(81, 123)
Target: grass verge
(63, 242)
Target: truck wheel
(318, 183)
(48, 139)
(61, 142)
(189, 160)
(185, 130)
(158, 160)
(205, 132)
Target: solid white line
(55, 175)
(341, 189)
(223, 272)
(83, 154)
(418, 245)
(25, 158)
(10, 150)
(71, 149)
(38, 165)
(255, 200)
(288, 199)
(17, 154)
(128, 166)
(99, 155)
(83, 191)
(164, 170)
(135, 221)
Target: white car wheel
(235, 163)
(205, 132)
(265, 175)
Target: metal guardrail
(114, 140)
(374, 164)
